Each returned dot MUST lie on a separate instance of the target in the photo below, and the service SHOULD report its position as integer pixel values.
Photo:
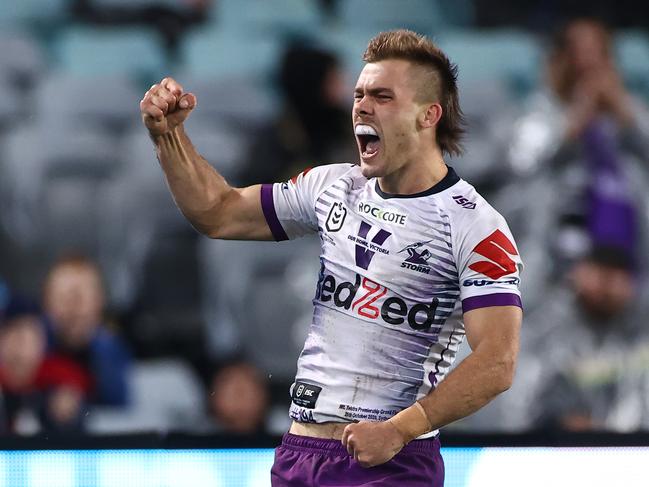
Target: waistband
(335, 447)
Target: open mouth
(368, 140)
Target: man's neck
(415, 177)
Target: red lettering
(366, 309)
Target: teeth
(365, 130)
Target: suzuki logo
(336, 217)
(497, 248)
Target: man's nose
(363, 106)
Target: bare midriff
(331, 431)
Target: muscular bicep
(495, 328)
(241, 216)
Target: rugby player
(413, 259)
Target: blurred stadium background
(198, 318)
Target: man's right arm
(213, 207)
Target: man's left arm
(493, 334)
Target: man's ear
(430, 115)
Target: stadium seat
(261, 290)
(457, 13)
(12, 106)
(106, 103)
(487, 122)
(512, 56)
(137, 202)
(221, 145)
(281, 16)
(226, 54)
(21, 59)
(111, 51)
(135, 4)
(49, 180)
(420, 15)
(349, 46)
(632, 52)
(27, 13)
(166, 395)
(242, 101)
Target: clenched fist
(372, 443)
(165, 106)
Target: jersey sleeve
(489, 264)
(289, 207)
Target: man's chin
(371, 170)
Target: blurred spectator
(580, 153)
(589, 343)
(314, 125)
(239, 399)
(40, 391)
(73, 302)
(582, 363)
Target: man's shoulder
(465, 204)
(335, 170)
(321, 177)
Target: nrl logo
(336, 217)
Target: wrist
(412, 422)
(167, 135)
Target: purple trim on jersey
(268, 206)
(302, 460)
(487, 300)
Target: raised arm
(493, 334)
(212, 206)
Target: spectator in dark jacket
(73, 302)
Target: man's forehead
(389, 73)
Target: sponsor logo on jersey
(464, 203)
(305, 395)
(336, 217)
(365, 248)
(484, 282)
(417, 259)
(361, 298)
(497, 248)
(382, 214)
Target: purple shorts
(303, 461)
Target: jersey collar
(447, 181)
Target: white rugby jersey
(396, 274)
